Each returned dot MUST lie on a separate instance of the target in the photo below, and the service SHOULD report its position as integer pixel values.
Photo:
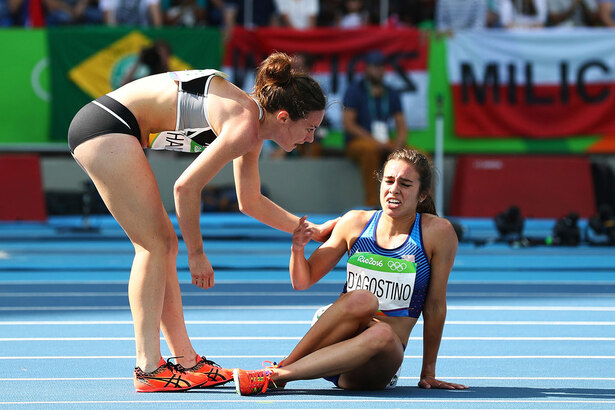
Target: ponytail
(427, 206)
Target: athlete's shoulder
(354, 220)
(435, 222)
(350, 226)
(357, 215)
(437, 228)
(233, 112)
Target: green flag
(24, 94)
(87, 62)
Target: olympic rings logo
(398, 266)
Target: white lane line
(272, 399)
(514, 378)
(291, 307)
(567, 357)
(126, 308)
(528, 323)
(243, 338)
(63, 379)
(129, 322)
(535, 308)
(51, 379)
(308, 307)
(303, 294)
(532, 294)
(486, 308)
(304, 322)
(119, 339)
(200, 294)
(521, 339)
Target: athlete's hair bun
(278, 86)
(277, 69)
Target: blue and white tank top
(413, 245)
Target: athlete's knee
(381, 338)
(171, 245)
(168, 242)
(360, 303)
(163, 243)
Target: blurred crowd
(373, 121)
(445, 16)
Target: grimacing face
(400, 188)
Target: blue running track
(527, 328)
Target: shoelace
(169, 364)
(266, 375)
(269, 363)
(205, 361)
(175, 366)
(210, 362)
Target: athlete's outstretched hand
(302, 234)
(433, 383)
(201, 271)
(323, 231)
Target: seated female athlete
(399, 262)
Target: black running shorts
(101, 116)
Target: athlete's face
(399, 189)
(293, 133)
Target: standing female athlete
(359, 341)
(187, 111)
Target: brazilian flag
(87, 62)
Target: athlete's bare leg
(119, 169)
(346, 341)
(347, 317)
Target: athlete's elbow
(246, 203)
(245, 208)
(434, 310)
(182, 188)
(300, 285)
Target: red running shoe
(249, 382)
(167, 377)
(214, 374)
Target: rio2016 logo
(369, 261)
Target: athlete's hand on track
(433, 383)
(323, 231)
(302, 234)
(201, 271)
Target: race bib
(182, 140)
(391, 280)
